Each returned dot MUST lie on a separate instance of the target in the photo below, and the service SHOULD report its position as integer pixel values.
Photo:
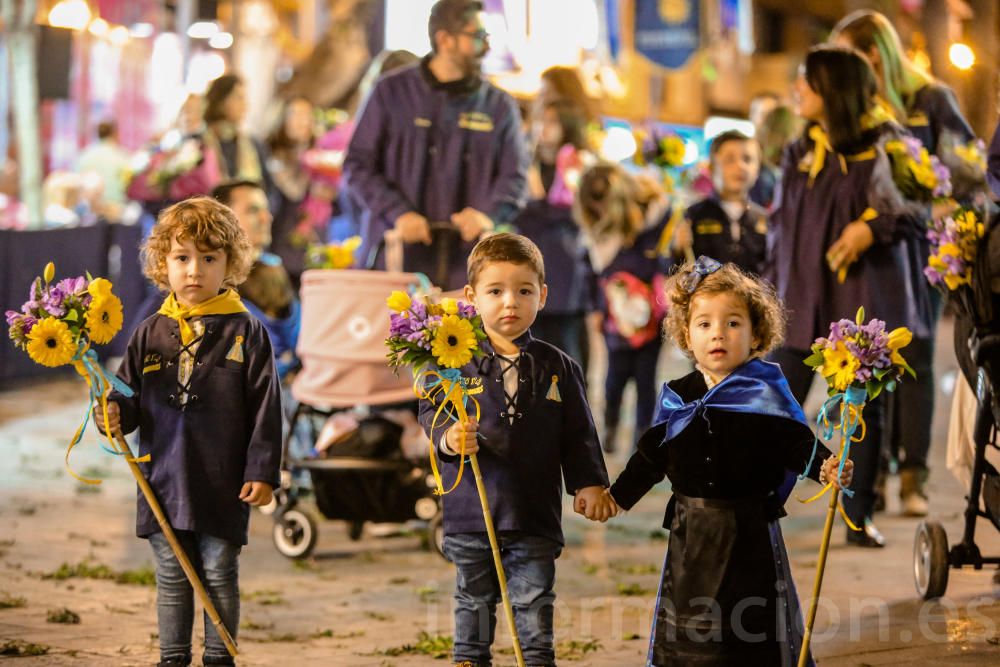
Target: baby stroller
(977, 346)
(366, 477)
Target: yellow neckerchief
(880, 114)
(226, 303)
(822, 146)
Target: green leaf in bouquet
(814, 360)
(90, 278)
(874, 388)
(71, 316)
(882, 372)
(860, 318)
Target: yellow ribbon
(81, 368)
(226, 303)
(822, 146)
(454, 395)
(868, 215)
(848, 413)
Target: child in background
(728, 435)
(727, 225)
(267, 292)
(623, 219)
(536, 431)
(547, 220)
(208, 407)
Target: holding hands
(595, 503)
(829, 473)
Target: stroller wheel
(435, 534)
(930, 560)
(294, 534)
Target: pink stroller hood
(345, 321)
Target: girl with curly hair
(730, 437)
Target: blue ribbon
(854, 396)
(703, 266)
(98, 382)
(756, 387)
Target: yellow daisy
(449, 306)
(454, 342)
(104, 318)
(50, 343)
(898, 339)
(99, 287)
(399, 301)
(840, 365)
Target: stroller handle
(979, 347)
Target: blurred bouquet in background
(332, 255)
(954, 244)
(919, 175)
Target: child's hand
(829, 472)
(595, 503)
(114, 418)
(256, 493)
(463, 434)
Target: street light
(73, 14)
(961, 55)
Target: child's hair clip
(703, 266)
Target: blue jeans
(217, 563)
(529, 561)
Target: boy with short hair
(536, 429)
(727, 225)
(207, 404)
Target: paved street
(384, 600)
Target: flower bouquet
(859, 361)
(966, 161)
(56, 327)
(954, 243)
(332, 255)
(919, 175)
(664, 150)
(436, 341)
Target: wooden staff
(182, 558)
(831, 514)
(501, 577)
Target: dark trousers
(911, 408)
(628, 364)
(865, 454)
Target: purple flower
(399, 325)
(70, 286)
(12, 317)
(29, 323)
(843, 329)
(863, 374)
(466, 310)
(418, 309)
(52, 302)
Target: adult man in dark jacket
(436, 143)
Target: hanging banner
(667, 31)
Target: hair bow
(703, 266)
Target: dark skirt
(726, 594)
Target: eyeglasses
(480, 35)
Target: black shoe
(174, 662)
(219, 660)
(868, 537)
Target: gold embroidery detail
(236, 351)
(553, 392)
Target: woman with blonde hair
(928, 109)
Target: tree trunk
(18, 18)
